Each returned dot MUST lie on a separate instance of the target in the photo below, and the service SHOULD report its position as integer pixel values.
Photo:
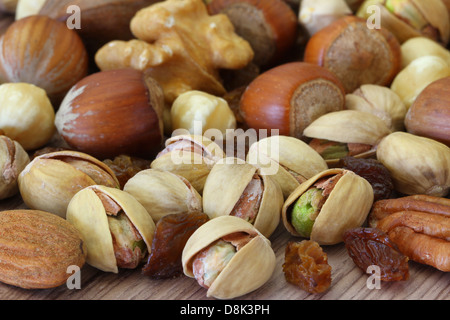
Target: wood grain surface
(348, 281)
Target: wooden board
(348, 281)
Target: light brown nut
(418, 225)
(37, 248)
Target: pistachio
(237, 188)
(407, 19)
(49, 182)
(421, 46)
(417, 75)
(163, 193)
(326, 205)
(229, 257)
(418, 165)
(380, 101)
(117, 229)
(287, 160)
(189, 156)
(347, 132)
(13, 159)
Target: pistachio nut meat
(326, 205)
(229, 257)
(237, 188)
(190, 156)
(117, 229)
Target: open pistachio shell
(428, 14)
(418, 165)
(287, 160)
(225, 186)
(190, 156)
(349, 126)
(50, 181)
(380, 101)
(347, 206)
(13, 159)
(163, 193)
(87, 213)
(249, 269)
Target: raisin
(306, 266)
(170, 237)
(372, 247)
(374, 172)
(125, 167)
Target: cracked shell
(13, 159)
(49, 182)
(189, 156)
(88, 211)
(163, 193)
(235, 187)
(287, 160)
(347, 206)
(249, 269)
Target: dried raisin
(306, 266)
(171, 234)
(372, 247)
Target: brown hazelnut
(356, 54)
(43, 52)
(270, 26)
(290, 96)
(114, 112)
(429, 115)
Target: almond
(36, 248)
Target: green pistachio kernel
(305, 211)
(336, 151)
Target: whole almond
(36, 249)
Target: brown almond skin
(36, 248)
(429, 114)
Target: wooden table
(348, 281)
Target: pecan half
(418, 225)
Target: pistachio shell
(346, 207)
(193, 166)
(420, 46)
(87, 213)
(250, 268)
(13, 159)
(287, 160)
(49, 182)
(163, 193)
(417, 75)
(418, 165)
(227, 182)
(380, 101)
(348, 126)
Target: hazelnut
(26, 114)
(43, 52)
(270, 26)
(290, 96)
(202, 108)
(339, 48)
(429, 115)
(114, 112)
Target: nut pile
(124, 139)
